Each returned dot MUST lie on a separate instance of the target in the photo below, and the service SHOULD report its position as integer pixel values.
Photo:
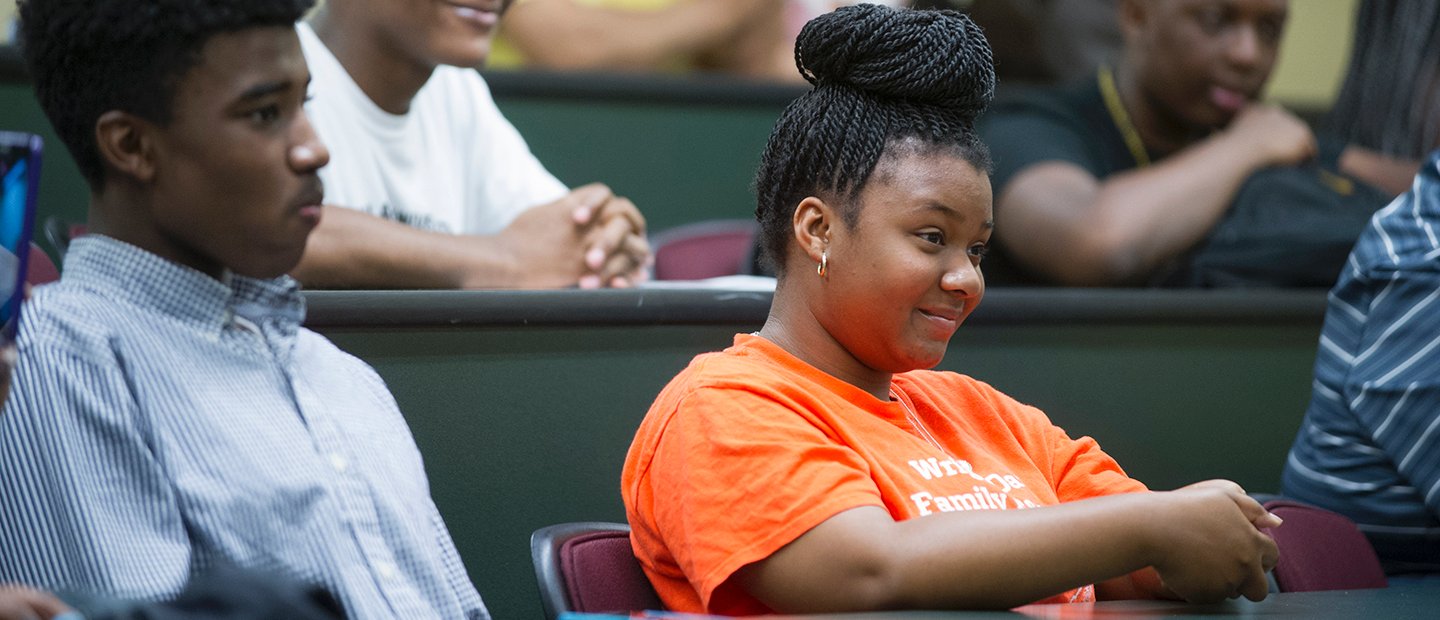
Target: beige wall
(7, 13)
(1314, 53)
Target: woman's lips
(943, 321)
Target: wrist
(1148, 520)
(1240, 147)
(483, 262)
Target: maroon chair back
(706, 249)
(589, 567)
(1321, 550)
(39, 269)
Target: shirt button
(386, 569)
(339, 463)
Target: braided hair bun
(938, 58)
(882, 76)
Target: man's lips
(313, 195)
(1228, 99)
(481, 16)
(310, 201)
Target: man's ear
(1132, 15)
(126, 143)
(811, 226)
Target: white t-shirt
(451, 164)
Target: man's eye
(1270, 31)
(1211, 20)
(265, 115)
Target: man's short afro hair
(87, 57)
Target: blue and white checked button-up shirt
(162, 420)
(1369, 447)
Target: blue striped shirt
(1369, 446)
(162, 420)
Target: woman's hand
(1208, 545)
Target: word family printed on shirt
(994, 494)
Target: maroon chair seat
(589, 567)
(1321, 550)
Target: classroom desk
(1396, 603)
(1388, 603)
(524, 402)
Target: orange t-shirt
(749, 448)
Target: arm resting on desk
(1200, 540)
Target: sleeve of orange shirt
(745, 474)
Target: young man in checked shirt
(169, 412)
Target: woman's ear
(811, 226)
(124, 142)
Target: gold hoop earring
(823, 269)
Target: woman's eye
(979, 251)
(933, 237)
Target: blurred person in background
(1388, 109)
(1040, 42)
(430, 186)
(1147, 173)
(745, 38)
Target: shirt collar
(125, 272)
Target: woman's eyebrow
(953, 213)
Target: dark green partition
(524, 403)
(683, 148)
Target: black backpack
(1287, 227)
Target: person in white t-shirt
(438, 190)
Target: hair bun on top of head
(937, 58)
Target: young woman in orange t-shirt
(817, 465)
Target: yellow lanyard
(1122, 118)
(1335, 182)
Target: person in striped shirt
(169, 413)
(1369, 446)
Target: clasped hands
(590, 238)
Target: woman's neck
(387, 76)
(793, 327)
